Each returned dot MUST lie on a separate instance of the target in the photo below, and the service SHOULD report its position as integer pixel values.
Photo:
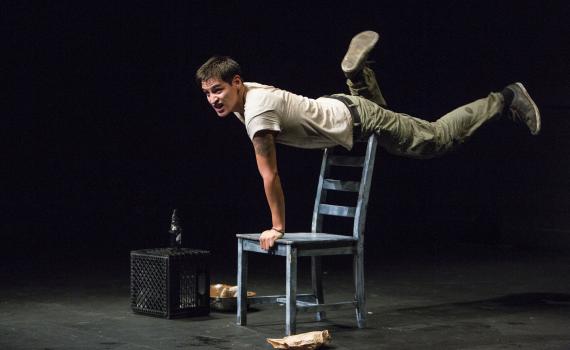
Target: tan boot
(358, 50)
(523, 108)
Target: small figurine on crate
(175, 231)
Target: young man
(273, 115)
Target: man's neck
(242, 100)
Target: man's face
(225, 98)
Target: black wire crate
(170, 282)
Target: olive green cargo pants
(405, 135)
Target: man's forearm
(276, 200)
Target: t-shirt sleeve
(268, 120)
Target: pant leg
(405, 135)
(365, 85)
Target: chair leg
(317, 279)
(242, 285)
(358, 265)
(291, 291)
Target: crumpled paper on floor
(303, 341)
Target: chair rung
(346, 161)
(304, 306)
(280, 299)
(337, 210)
(307, 307)
(340, 185)
(300, 303)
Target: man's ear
(236, 80)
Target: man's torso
(299, 121)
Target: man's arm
(266, 157)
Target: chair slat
(350, 161)
(337, 210)
(341, 185)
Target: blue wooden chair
(317, 244)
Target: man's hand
(268, 238)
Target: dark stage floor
(461, 297)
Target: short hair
(221, 67)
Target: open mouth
(218, 107)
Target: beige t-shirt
(300, 121)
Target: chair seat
(306, 239)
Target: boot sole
(360, 46)
(534, 107)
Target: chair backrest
(362, 187)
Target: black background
(107, 131)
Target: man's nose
(212, 99)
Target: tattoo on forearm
(263, 146)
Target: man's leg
(402, 134)
(360, 79)
(365, 85)
(405, 135)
